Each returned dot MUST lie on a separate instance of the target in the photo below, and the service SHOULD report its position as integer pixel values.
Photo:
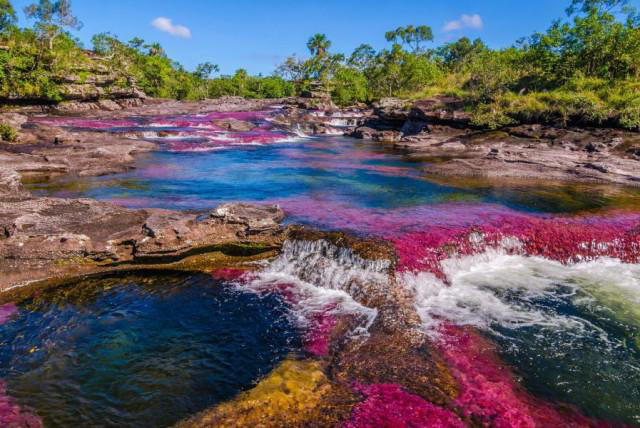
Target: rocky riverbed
(398, 327)
(438, 132)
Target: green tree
(459, 54)
(136, 43)
(318, 44)
(7, 15)
(610, 6)
(363, 57)
(240, 78)
(412, 36)
(204, 70)
(52, 17)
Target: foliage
(51, 17)
(318, 44)
(7, 15)
(585, 67)
(7, 133)
(350, 86)
(459, 55)
(411, 36)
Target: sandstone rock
(234, 125)
(255, 218)
(11, 188)
(367, 133)
(15, 120)
(109, 105)
(50, 230)
(441, 110)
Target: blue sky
(258, 34)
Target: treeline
(585, 67)
(38, 63)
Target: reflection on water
(141, 350)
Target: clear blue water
(140, 350)
(327, 169)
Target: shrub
(8, 133)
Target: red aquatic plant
(12, 416)
(489, 392)
(388, 405)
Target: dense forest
(585, 65)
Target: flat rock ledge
(43, 238)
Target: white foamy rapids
(323, 279)
(297, 130)
(495, 289)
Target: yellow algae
(288, 397)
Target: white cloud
(165, 24)
(466, 21)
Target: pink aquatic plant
(319, 334)
(567, 240)
(12, 416)
(387, 405)
(7, 311)
(489, 392)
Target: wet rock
(413, 127)
(367, 248)
(392, 358)
(234, 125)
(295, 394)
(366, 133)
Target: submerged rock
(297, 393)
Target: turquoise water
(327, 170)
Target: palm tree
(318, 44)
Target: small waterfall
(324, 278)
(297, 130)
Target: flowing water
(530, 281)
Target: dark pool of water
(140, 350)
(593, 364)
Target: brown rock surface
(234, 125)
(37, 233)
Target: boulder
(367, 133)
(234, 125)
(15, 120)
(254, 218)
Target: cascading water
(529, 294)
(320, 281)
